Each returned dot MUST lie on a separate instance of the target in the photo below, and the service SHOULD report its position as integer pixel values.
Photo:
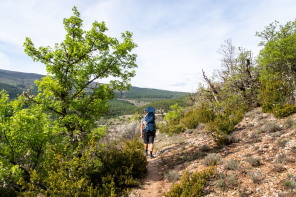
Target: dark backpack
(150, 119)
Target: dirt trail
(152, 185)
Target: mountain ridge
(26, 80)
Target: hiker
(148, 129)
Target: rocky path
(152, 185)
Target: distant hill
(16, 82)
(127, 102)
(19, 79)
(148, 94)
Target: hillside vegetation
(124, 103)
(231, 138)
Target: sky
(176, 38)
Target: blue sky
(176, 38)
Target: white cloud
(5, 62)
(176, 38)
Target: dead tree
(212, 87)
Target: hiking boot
(151, 156)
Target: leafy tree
(24, 136)
(69, 91)
(277, 60)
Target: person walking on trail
(148, 130)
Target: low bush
(278, 168)
(254, 161)
(221, 184)
(171, 176)
(231, 165)
(191, 185)
(172, 123)
(190, 120)
(281, 158)
(212, 159)
(171, 128)
(223, 125)
(256, 176)
(232, 180)
(108, 171)
(288, 123)
(205, 113)
(129, 130)
(122, 164)
(255, 137)
(290, 182)
(271, 127)
(285, 110)
(65, 176)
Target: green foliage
(68, 91)
(274, 94)
(212, 159)
(163, 105)
(190, 120)
(65, 176)
(13, 91)
(25, 134)
(122, 164)
(119, 107)
(109, 171)
(174, 115)
(231, 164)
(172, 119)
(150, 95)
(223, 125)
(191, 185)
(43, 137)
(233, 90)
(285, 110)
(136, 117)
(205, 113)
(171, 175)
(277, 68)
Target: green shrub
(171, 128)
(122, 164)
(288, 123)
(212, 159)
(191, 185)
(205, 113)
(109, 171)
(221, 184)
(256, 176)
(281, 158)
(190, 120)
(285, 110)
(231, 165)
(172, 123)
(223, 125)
(255, 137)
(64, 176)
(171, 176)
(232, 180)
(271, 127)
(274, 91)
(290, 182)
